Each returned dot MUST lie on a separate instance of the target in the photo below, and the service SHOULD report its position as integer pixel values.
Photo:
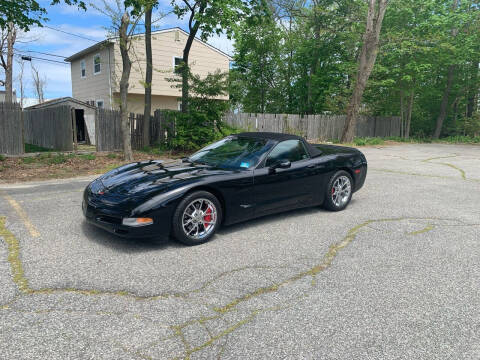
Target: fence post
(73, 116)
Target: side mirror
(283, 164)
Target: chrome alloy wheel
(341, 191)
(199, 218)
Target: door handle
(315, 166)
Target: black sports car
(238, 178)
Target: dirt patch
(58, 166)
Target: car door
(282, 189)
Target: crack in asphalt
(429, 160)
(19, 278)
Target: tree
(21, 83)
(207, 17)
(7, 40)
(124, 20)
(39, 84)
(257, 63)
(148, 75)
(450, 76)
(25, 13)
(368, 55)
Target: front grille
(109, 219)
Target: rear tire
(197, 218)
(339, 191)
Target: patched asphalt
(394, 276)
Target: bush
(194, 130)
(2, 157)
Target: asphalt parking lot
(394, 276)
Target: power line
(39, 52)
(43, 59)
(69, 33)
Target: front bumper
(111, 221)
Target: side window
(97, 64)
(83, 70)
(291, 150)
(177, 61)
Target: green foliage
(112, 156)
(2, 157)
(27, 13)
(87, 157)
(202, 124)
(300, 58)
(194, 129)
(367, 141)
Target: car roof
(270, 136)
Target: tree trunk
(148, 77)
(409, 115)
(473, 89)
(446, 93)
(11, 36)
(186, 68)
(126, 67)
(368, 55)
(444, 105)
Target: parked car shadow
(269, 219)
(104, 238)
(112, 241)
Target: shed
(84, 116)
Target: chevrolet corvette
(238, 178)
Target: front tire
(339, 191)
(197, 218)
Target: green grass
(87, 157)
(367, 141)
(112, 156)
(152, 150)
(2, 157)
(30, 148)
(28, 160)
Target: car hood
(147, 177)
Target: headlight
(137, 221)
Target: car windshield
(232, 152)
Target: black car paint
(149, 189)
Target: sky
(90, 26)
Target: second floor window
(97, 68)
(176, 65)
(83, 70)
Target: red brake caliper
(208, 216)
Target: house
(3, 93)
(84, 116)
(96, 71)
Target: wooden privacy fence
(322, 127)
(49, 127)
(109, 132)
(11, 129)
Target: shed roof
(59, 101)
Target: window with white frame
(83, 69)
(177, 61)
(97, 66)
(100, 104)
